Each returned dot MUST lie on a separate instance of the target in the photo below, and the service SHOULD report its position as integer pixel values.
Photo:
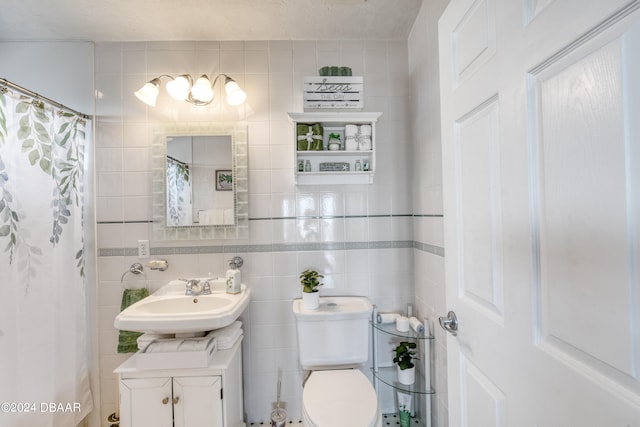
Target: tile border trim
(277, 247)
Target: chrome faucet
(195, 287)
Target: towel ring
(136, 268)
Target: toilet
(333, 342)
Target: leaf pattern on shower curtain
(3, 118)
(179, 206)
(57, 156)
(9, 215)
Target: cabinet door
(145, 402)
(197, 401)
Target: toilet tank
(336, 334)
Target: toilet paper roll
(402, 324)
(416, 325)
(387, 317)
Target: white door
(541, 158)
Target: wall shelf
(335, 122)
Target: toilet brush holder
(279, 415)
(278, 418)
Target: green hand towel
(309, 137)
(127, 340)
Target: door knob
(176, 400)
(450, 323)
(165, 400)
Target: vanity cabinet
(197, 397)
(180, 401)
(343, 159)
(386, 374)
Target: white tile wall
(271, 73)
(423, 106)
(402, 82)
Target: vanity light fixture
(199, 93)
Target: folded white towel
(363, 138)
(173, 345)
(203, 217)
(197, 344)
(215, 216)
(227, 342)
(364, 143)
(227, 329)
(145, 339)
(228, 216)
(365, 130)
(164, 346)
(228, 335)
(350, 130)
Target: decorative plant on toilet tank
(310, 281)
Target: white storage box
(160, 354)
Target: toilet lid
(342, 398)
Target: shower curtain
(44, 376)
(179, 203)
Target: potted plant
(310, 280)
(405, 353)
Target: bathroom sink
(170, 311)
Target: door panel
(197, 401)
(584, 239)
(145, 402)
(478, 177)
(541, 168)
(483, 399)
(585, 145)
(473, 40)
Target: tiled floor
(290, 422)
(388, 420)
(394, 420)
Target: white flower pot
(406, 376)
(311, 300)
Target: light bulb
(179, 87)
(202, 91)
(149, 92)
(235, 95)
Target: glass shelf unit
(390, 328)
(388, 375)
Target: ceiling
(170, 20)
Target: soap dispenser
(234, 277)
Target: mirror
(199, 187)
(200, 182)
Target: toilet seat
(340, 398)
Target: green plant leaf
(27, 143)
(40, 114)
(42, 132)
(45, 165)
(33, 157)
(24, 132)
(22, 107)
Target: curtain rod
(7, 83)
